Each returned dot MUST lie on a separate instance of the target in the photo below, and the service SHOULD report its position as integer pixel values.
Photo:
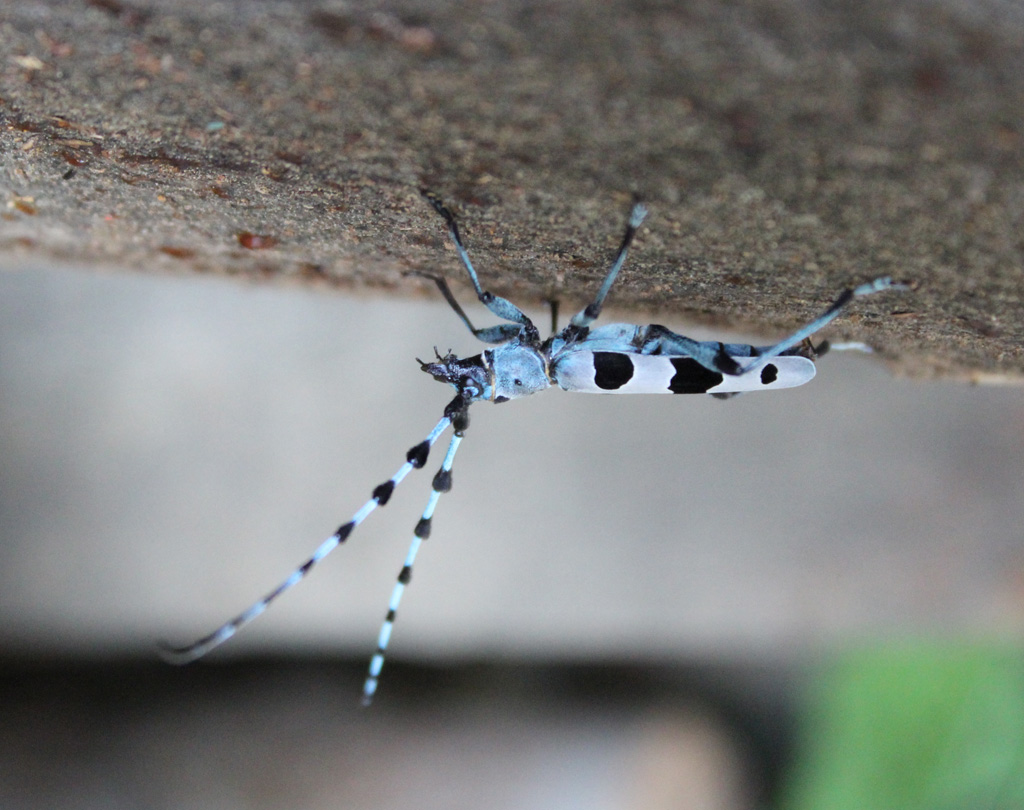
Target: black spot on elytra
(769, 374)
(725, 363)
(691, 377)
(612, 370)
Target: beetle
(616, 358)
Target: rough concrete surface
(785, 149)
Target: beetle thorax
(516, 370)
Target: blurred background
(811, 599)
(807, 599)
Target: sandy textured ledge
(784, 151)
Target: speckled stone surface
(785, 151)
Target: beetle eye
(518, 383)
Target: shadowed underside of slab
(785, 153)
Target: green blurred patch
(913, 725)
